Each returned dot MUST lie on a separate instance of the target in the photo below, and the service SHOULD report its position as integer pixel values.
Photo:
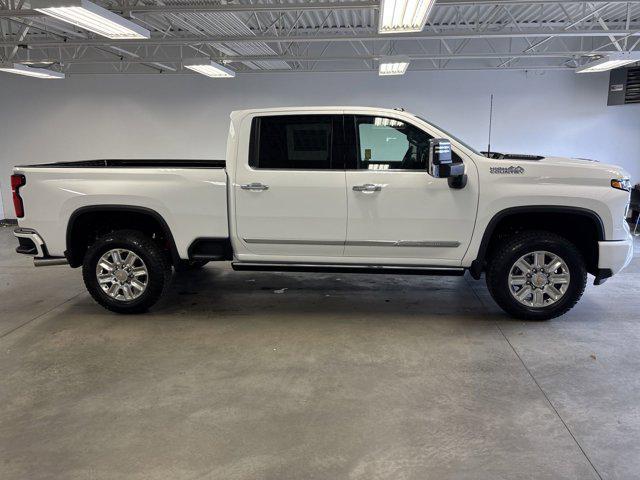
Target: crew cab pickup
(316, 189)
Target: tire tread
(157, 262)
(504, 258)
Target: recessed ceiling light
(396, 65)
(609, 62)
(20, 69)
(208, 68)
(403, 15)
(92, 17)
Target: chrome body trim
(404, 243)
(268, 241)
(359, 243)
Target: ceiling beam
(283, 7)
(321, 58)
(197, 40)
(345, 70)
(200, 8)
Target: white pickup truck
(347, 189)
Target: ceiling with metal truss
(258, 36)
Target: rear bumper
(32, 244)
(613, 256)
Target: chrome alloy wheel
(539, 279)
(122, 274)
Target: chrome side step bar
(338, 268)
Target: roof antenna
(490, 117)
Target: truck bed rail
(132, 163)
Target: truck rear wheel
(126, 272)
(536, 275)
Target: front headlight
(621, 184)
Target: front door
(397, 212)
(290, 195)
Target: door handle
(258, 187)
(367, 187)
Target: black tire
(155, 260)
(190, 265)
(507, 253)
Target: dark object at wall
(624, 86)
(634, 208)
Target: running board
(320, 268)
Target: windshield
(464, 144)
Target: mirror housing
(441, 164)
(440, 160)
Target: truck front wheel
(125, 271)
(536, 275)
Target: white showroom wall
(145, 116)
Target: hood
(579, 169)
(612, 170)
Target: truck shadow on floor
(221, 292)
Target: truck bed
(189, 195)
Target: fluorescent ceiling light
(393, 65)
(209, 68)
(403, 15)
(91, 17)
(20, 69)
(609, 62)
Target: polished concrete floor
(296, 376)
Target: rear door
(290, 195)
(398, 212)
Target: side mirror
(441, 164)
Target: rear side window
(295, 142)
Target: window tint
(389, 144)
(294, 142)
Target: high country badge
(511, 170)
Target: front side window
(390, 144)
(451, 136)
(293, 142)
